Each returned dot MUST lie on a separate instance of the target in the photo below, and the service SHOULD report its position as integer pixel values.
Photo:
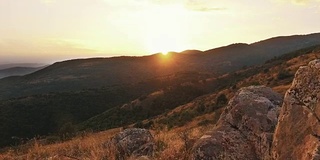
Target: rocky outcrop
(297, 135)
(244, 130)
(134, 142)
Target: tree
(67, 131)
(221, 100)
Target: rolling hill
(73, 75)
(181, 112)
(103, 93)
(27, 65)
(277, 73)
(17, 71)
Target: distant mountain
(191, 52)
(102, 93)
(179, 121)
(27, 65)
(17, 71)
(277, 73)
(241, 54)
(171, 101)
(79, 74)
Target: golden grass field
(170, 145)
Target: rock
(298, 132)
(134, 142)
(245, 128)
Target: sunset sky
(45, 31)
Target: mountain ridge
(99, 72)
(176, 131)
(12, 65)
(68, 93)
(18, 71)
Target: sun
(165, 42)
(164, 53)
(165, 30)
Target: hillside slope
(17, 71)
(175, 131)
(94, 73)
(27, 65)
(278, 74)
(73, 94)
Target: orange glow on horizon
(46, 31)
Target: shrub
(221, 100)
(67, 131)
(283, 74)
(201, 109)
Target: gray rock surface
(298, 132)
(245, 129)
(134, 142)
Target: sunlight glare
(165, 29)
(164, 53)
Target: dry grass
(90, 146)
(282, 89)
(177, 143)
(174, 144)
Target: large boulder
(297, 135)
(245, 128)
(134, 142)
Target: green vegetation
(285, 57)
(41, 110)
(284, 74)
(118, 116)
(222, 100)
(50, 113)
(67, 131)
(178, 119)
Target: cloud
(193, 5)
(48, 1)
(203, 6)
(300, 2)
(207, 9)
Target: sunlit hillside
(159, 79)
(103, 93)
(177, 128)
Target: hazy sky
(54, 30)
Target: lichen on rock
(245, 128)
(134, 142)
(298, 132)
